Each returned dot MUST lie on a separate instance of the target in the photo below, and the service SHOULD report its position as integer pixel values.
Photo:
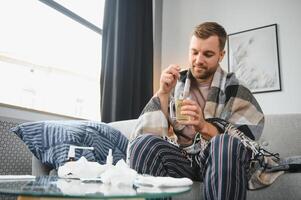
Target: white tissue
(77, 187)
(81, 169)
(158, 181)
(120, 174)
(160, 190)
(116, 176)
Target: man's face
(204, 57)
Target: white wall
(157, 34)
(180, 16)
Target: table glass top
(52, 186)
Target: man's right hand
(168, 79)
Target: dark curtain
(126, 81)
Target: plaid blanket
(228, 101)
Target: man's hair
(207, 29)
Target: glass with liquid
(175, 110)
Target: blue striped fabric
(222, 166)
(49, 141)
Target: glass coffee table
(46, 187)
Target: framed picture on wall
(253, 56)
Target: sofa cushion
(287, 186)
(49, 141)
(282, 134)
(126, 127)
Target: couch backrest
(126, 127)
(282, 134)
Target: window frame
(23, 112)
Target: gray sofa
(282, 134)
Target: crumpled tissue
(119, 174)
(160, 181)
(78, 187)
(81, 169)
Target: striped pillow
(49, 141)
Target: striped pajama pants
(222, 166)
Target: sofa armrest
(39, 169)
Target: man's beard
(202, 72)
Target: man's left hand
(196, 119)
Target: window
(48, 61)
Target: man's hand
(169, 79)
(196, 119)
